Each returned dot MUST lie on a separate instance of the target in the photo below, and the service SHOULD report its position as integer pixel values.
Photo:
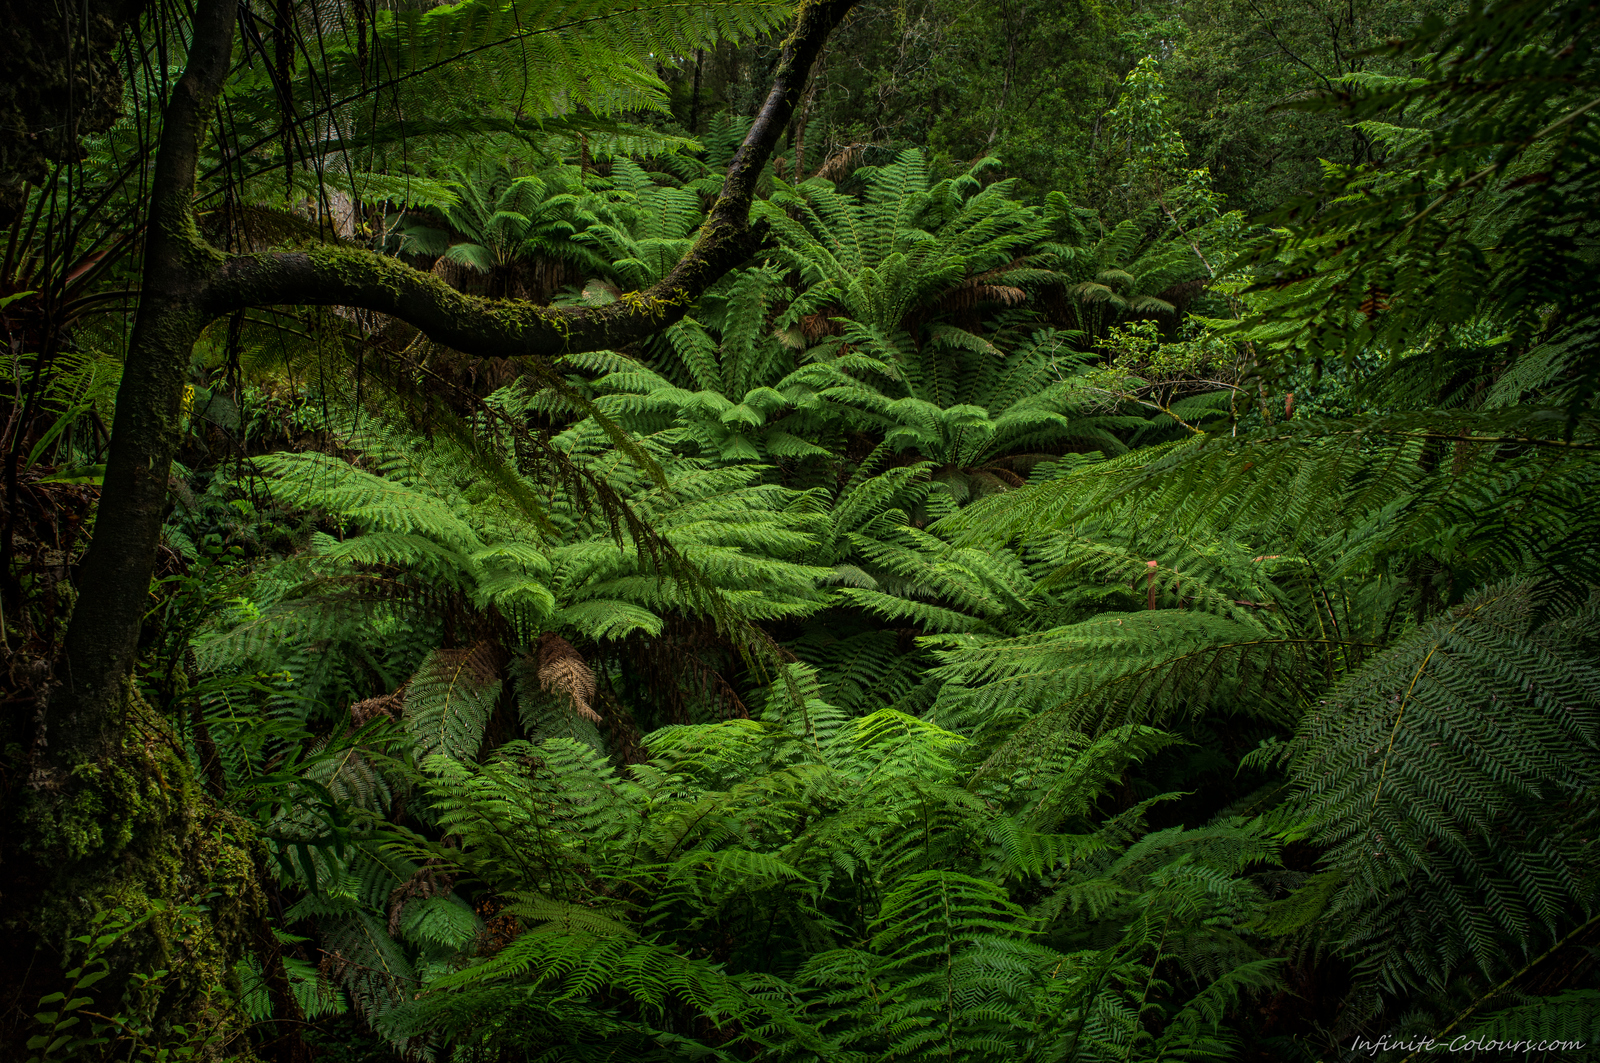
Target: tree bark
(187, 284)
(114, 581)
(694, 95)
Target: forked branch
(187, 284)
(332, 276)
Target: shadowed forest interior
(832, 532)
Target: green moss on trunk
(122, 831)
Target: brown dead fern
(562, 671)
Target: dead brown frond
(980, 288)
(817, 326)
(839, 165)
(390, 705)
(500, 928)
(562, 671)
(478, 664)
(997, 477)
(1375, 302)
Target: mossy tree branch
(331, 276)
(187, 284)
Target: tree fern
(873, 258)
(1447, 776)
(459, 63)
(1572, 1017)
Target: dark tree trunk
(114, 581)
(694, 94)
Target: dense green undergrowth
(984, 628)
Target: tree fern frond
(450, 699)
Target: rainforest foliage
(1109, 571)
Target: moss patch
(119, 833)
(520, 315)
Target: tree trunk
(694, 95)
(114, 581)
(800, 131)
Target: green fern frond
(450, 699)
